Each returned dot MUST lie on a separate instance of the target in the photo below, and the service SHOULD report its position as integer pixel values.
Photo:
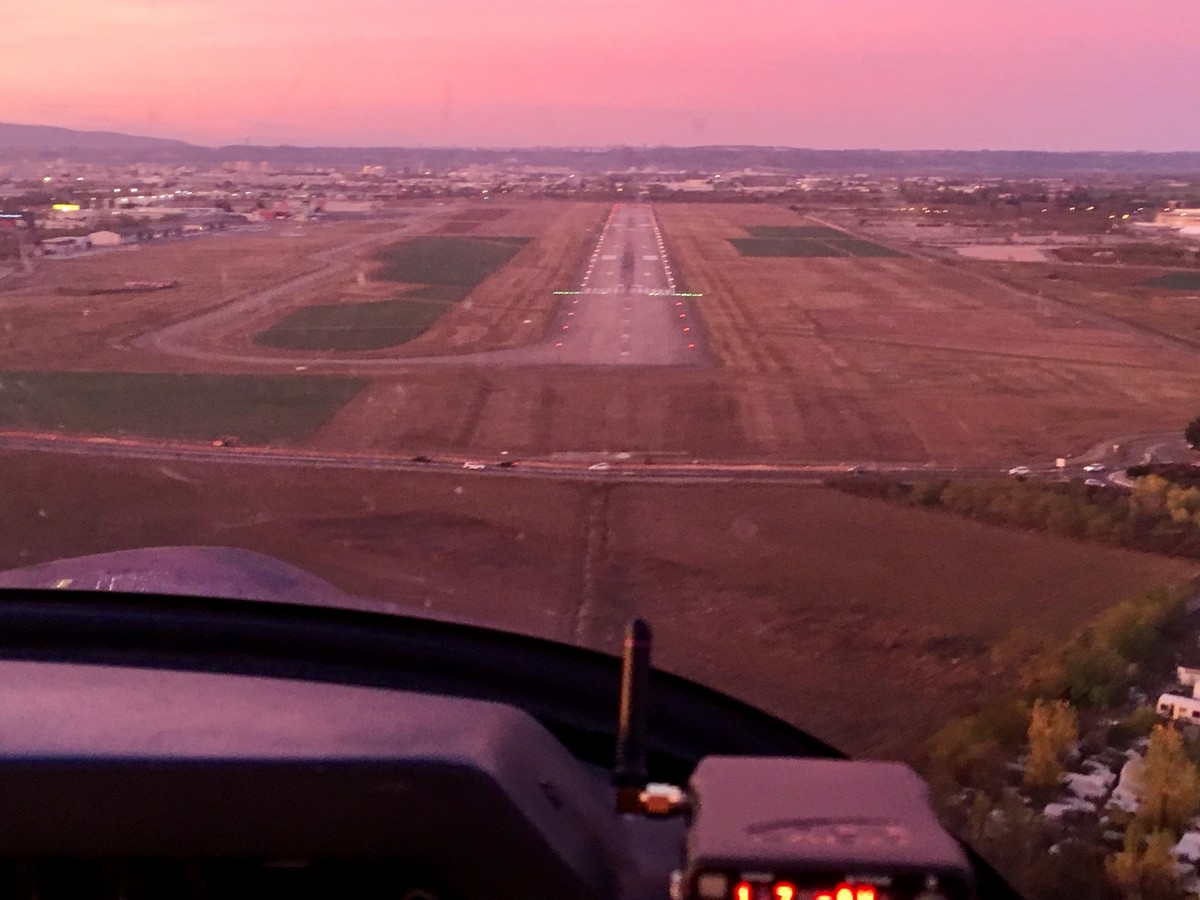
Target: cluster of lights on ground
(783, 890)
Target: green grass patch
(783, 247)
(353, 326)
(859, 247)
(1176, 281)
(432, 259)
(483, 213)
(805, 240)
(794, 231)
(447, 293)
(258, 409)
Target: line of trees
(1158, 515)
(1167, 784)
(1062, 688)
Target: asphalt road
(590, 467)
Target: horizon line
(584, 147)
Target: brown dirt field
(534, 411)
(45, 329)
(1001, 221)
(912, 359)
(1113, 290)
(1163, 257)
(865, 623)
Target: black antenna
(629, 769)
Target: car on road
(1094, 467)
(1095, 482)
(599, 467)
(1020, 470)
(474, 466)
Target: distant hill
(43, 141)
(49, 139)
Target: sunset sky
(1028, 74)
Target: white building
(1173, 706)
(1178, 217)
(62, 246)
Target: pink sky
(1036, 74)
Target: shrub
(972, 750)
(1191, 433)
(1136, 628)
(1094, 675)
(1137, 724)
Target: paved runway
(626, 311)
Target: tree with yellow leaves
(1053, 731)
(1145, 870)
(1167, 783)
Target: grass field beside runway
(368, 325)
(856, 247)
(805, 241)
(908, 358)
(258, 409)
(783, 247)
(1177, 281)
(794, 231)
(433, 259)
(447, 267)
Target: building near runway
(65, 246)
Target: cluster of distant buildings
(1184, 221)
(68, 245)
(78, 205)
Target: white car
(1020, 470)
(474, 466)
(1094, 467)
(1095, 482)
(599, 467)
